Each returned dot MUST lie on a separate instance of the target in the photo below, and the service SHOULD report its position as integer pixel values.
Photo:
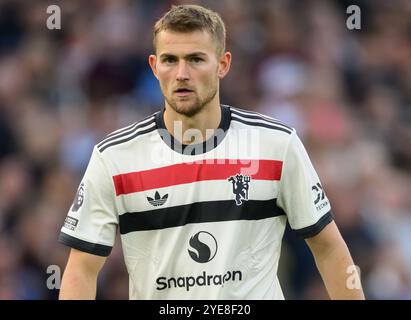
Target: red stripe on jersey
(211, 169)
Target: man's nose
(182, 71)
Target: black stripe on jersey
(130, 126)
(93, 248)
(136, 134)
(257, 116)
(199, 212)
(125, 131)
(316, 228)
(264, 125)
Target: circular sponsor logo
(79, 198)
(202, 247)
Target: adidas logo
(157, 201)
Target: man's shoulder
(127, 133)
(253, 119)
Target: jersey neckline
(199, 148)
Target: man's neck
(195, 129)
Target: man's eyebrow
(167, 55)
(195, 54)
(190, 55)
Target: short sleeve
(92, 220)
(301, 194)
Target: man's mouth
(181, 92)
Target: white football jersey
(202, 221)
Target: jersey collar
(195, 149)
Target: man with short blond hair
(200, 191)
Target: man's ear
(152, 59)
(224, 64)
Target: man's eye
(196, 59)
(169, 60)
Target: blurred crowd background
(347, 92)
